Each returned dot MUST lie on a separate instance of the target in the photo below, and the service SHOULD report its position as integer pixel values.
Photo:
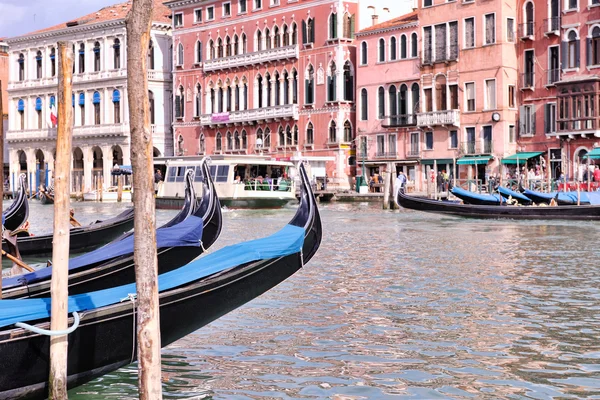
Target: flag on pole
(52, 115)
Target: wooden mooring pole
(2, 169)
(138, 22)
(60, 243)
(386, 188)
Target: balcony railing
(436, 118)
(386, 154)
(553, 76)
(240, 60)
(525, 31)
(78, 131)
(246, 116)
(527, 80)
(552, 25)
(413, 153)
(31, 135)
(394, 121)
(477, 147)
(156, 75)
(582, 125)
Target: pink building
(468, 108)
(388, 94)
(274, 77)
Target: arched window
(244, 44)
(97, 65)
(309, 85)
(179, 103)
(82, 108)
(202, 144)
(228, 51)
(117, 54)
(295, 137)
(211, 49)
(198, 102)
(236, 45)
(528, 28)
(21, 61)
(348, 136)
(403, 49)
(333, 26)
(236, 141)
(259, 89)
(288, 136)
(151, 55)
(180, 55)
(218, 142)
(572, 50)
(151, 106)
(81, 58)
(332, 132)
(331, 82)
(258, 44)
(281, 135)
(267, 138)
(393, 48)
(38, 65)
(96, 100)
(198, 52)
(180, 146)
(53, 61)
(381, 56)
(415, 98)
(403, 104)
(286, 35)
(268, 39)
(244, 140)
(310, 136)
(392, 104)
(380, 102)
(286, 87)
(294, 34)
(38, 111)
(116, 99)
(229, 141)
(220, 48)
(348, 82)
(295, 87)
(220, 98)
(260, 139)
(414, 43)
(364, 105)
(276, 37)
(269, 90)
(363, 54)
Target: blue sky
(18, 17)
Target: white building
(101, 136)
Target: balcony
(413, 153)
(525, 31)
(258, 57)
(288, 111)
(527, 80)
(472, 148)
(552, 25)
(397, 121)
(553, 76)
(31, 135)
(438, 118)
(156, 75)
(386, 154)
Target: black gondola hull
(18, 212)
(504, 211)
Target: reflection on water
(401, 304)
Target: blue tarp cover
(287, 241)
(505, 192)
(186, 233)
(585, 198)
(462, 193)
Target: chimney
(375, 19)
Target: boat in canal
(241, 181)
(195, 228)
(104, 337)
(111, 193)
(481, 199)
(18, 212)
(582, 212)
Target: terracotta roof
(394, 22)
(110, 13)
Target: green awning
(473, 160)
(521, 158)
(594, 154)
(439, 161)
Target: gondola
(515, 196)
(563, 198)
(18, 212)
(480, 199)
(496, 211)
(46, 197)
(180, 241)
(190, 297)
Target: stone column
(272, 93)
(243, 105)
(208, 105)
(88, 162)
(339, 82)
(108, 164)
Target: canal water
(396, 304)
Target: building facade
(101, 136)
(388, 93)
(274, 77)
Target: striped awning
(473, 160)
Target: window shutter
(304, 38)
(565, 55)
(522, 120)
(312, 30)
(588, 51)
(546, 118)
(178, 106)
(577, 45)
(352, 25)
(453, 40)
(532, 119)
